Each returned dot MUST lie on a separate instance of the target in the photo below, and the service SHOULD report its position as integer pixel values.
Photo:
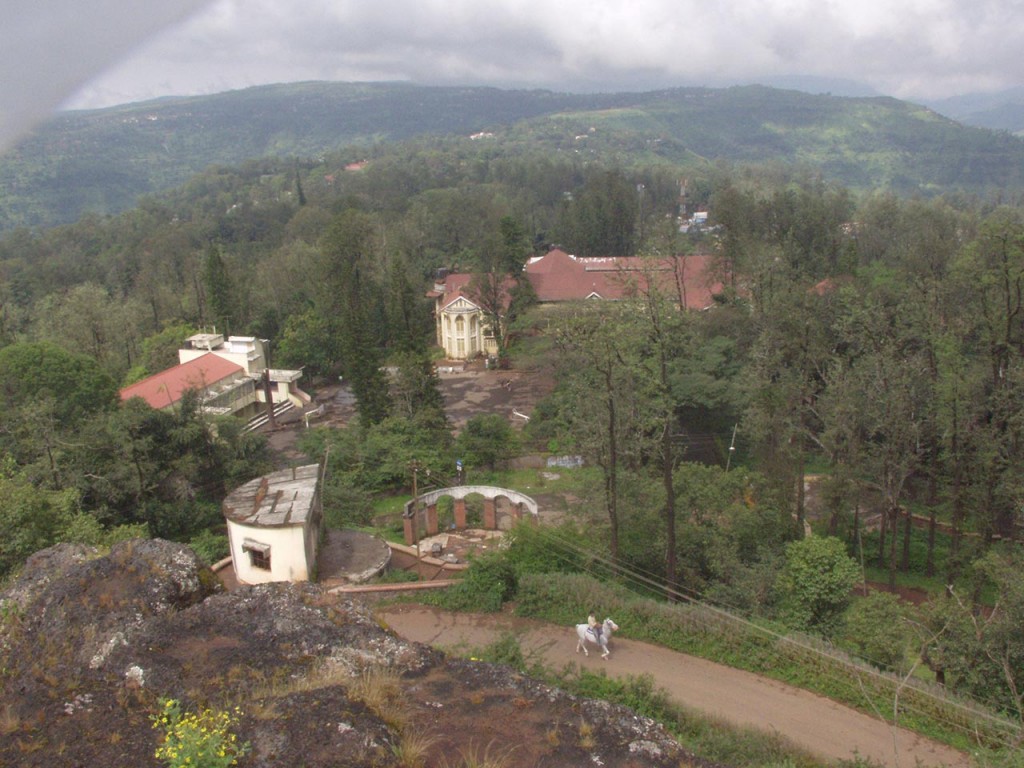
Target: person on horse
(595, 625)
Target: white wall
(288, 553)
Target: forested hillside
(102, 161)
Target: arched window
(460, 336)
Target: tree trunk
(611, 500)
(883, 529)
(894, 516)
(908, 527)
(801, 494)
(929, 566)
(957, 516)
(612, 474)
(668, 462)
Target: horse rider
(595, 625)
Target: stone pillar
(460, 514)
(490, 519)
(431, 519)
(409, 526)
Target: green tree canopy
(34, 371)
(32, 519)
(815, 583)
(486, 441)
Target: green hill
(102, 161)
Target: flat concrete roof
(279, 499)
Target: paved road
(819, 725)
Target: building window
(259, 560)
(259, 554)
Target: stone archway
(420, 515)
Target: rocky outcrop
(90, 643)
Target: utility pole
(732, 448)
(269, 395)
(416, 512)
(640, 205)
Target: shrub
(210, 547)
(201, 739)
(489, 582)
(877, 627)
(531, 549)
(815, 583)
(505, 650)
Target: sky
(97, 53)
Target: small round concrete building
(275, 526)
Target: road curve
(817, 724)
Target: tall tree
(989, 274)
(887, 376)
(350, 300)
(601, 217)
(219, 303)
(786, 371)
(603, 385)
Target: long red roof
(166, 388)
(557, 276)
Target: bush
(487, 585)
(815, 584)
(345, 503)
(505, 650)
(84, 528)
(877, 627)
(197, 740)
(486, 441)
(531, 549)
(210, 547)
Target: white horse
(586, 634)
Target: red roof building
(462, 325)
(211, 375)
(557, 276)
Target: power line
(637, 577)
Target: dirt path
(812, 722)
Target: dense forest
(874, 340)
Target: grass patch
(475, 756)
(906, 580)
(413, 749)
(381, 691)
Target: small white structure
(275, 524)
(246, 351)
(230, 376)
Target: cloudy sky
(94, 53)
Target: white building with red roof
(228, 375)
(463, 329)
(213, 377)
(463, 326)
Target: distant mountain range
(102, 161)
(1000, 111)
